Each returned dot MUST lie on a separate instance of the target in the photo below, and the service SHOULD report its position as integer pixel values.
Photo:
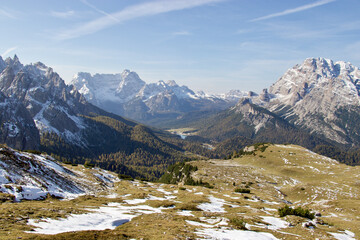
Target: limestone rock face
(319, 95)
(17, 126)
(35, 100)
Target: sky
(210, 45)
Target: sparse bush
(238, 223)
(4, 197)
(89, 165)
(33, 151)
(189, 207)
(125, 177)
(242, 190)
(9, 187)
(305, 213)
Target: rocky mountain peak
(129, 86)
(128, 76)
(341, 79)
(2, 64)
(315, 95)
(13, 63)
(172, 83)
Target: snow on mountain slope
(319, 95)
(32, 177)
(126, 94)
(124, 87)
(17, 127)
(102, 88)
(42, 99)
(340, 80)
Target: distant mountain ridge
(39, 111)
(127, 95)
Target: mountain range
(39, 111)
(127, 95)
(319, 97)
(314, 104)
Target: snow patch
(108, 217)
(227, 234)
(346, 235)
(275, 223)
(215, 205)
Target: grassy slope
(304, 178)
(279, 173)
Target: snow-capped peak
(316, 73)
(14, 63)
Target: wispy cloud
(66, 14)
(131, 12)
(99, 10)
(181, 33)
(293, 10)
(7, 51)
(5, 13)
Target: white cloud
(294, 10)
(5, 13)
(7, 51)
(131, 12)
(181, 33)
(66, 14)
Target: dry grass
(300, 177)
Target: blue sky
(211, 45)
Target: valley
(180, 120)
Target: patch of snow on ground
(286, 161)
(164, 191)
(135, 201)
(185, 213)
(108, 217)
(215, 205)
(347, 235)
(270, 202)
(275, 223)
(218, 221)
(287, 146)
(194, 223)
(112, 195)
(209, 233)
